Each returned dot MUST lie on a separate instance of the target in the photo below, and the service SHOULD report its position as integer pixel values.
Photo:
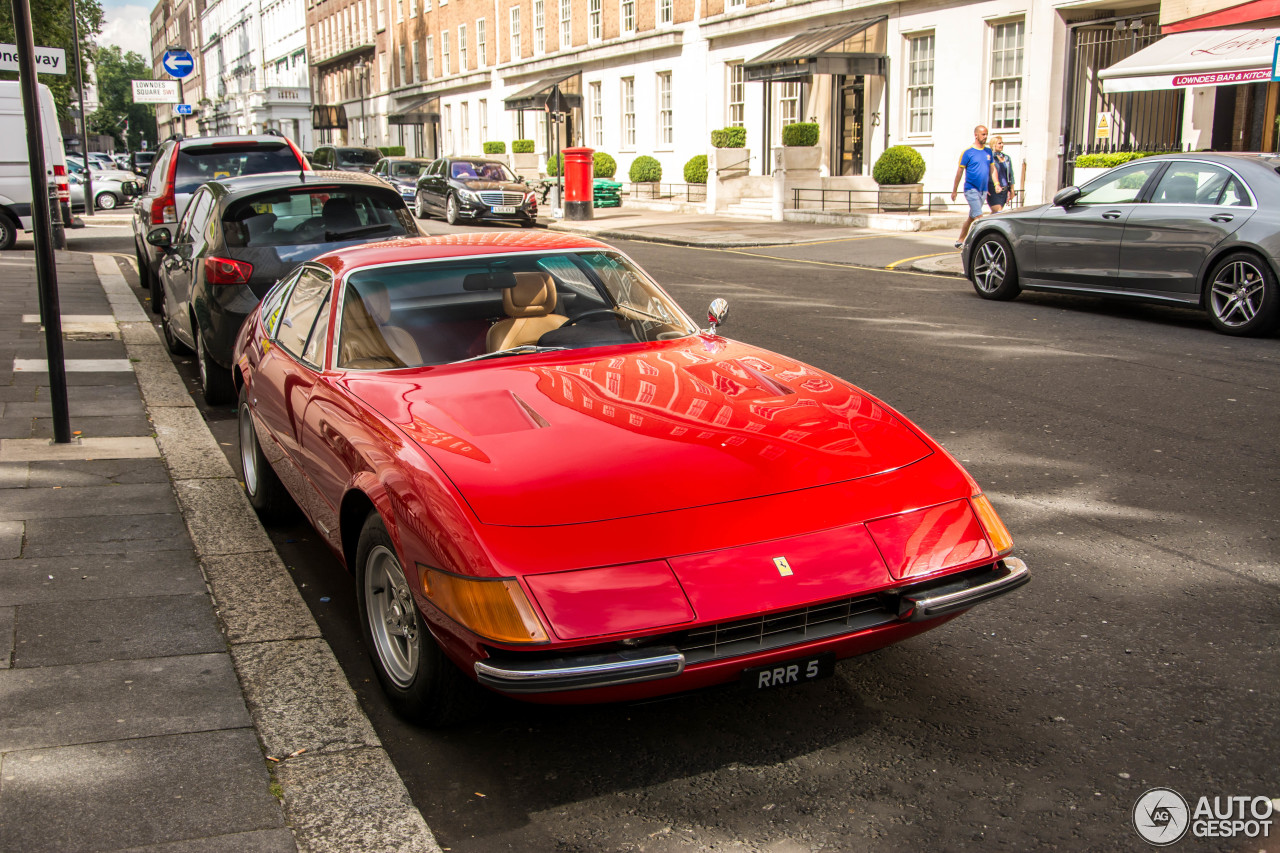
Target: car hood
(489, 186)
(577, 437)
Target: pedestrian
(1002, 189)
(978, 171)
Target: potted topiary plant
(495, 147)
(800, 151)
(603, 165)
(645, 170)
(898, 172)
(523, 159)
(729, 150)
(695, 171)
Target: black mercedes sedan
(402, 173)
(474, 188)
(241, 235)
(1196, 229)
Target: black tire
(420, 206)
(262, 485)
(171, 341)
(1241, 296)
(151, 281)
(8, 232)
(215, 380)
(451, 214)
(107, 201)
(993, 269)
(422, 684)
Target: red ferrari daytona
(546, 479)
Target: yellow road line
(839, 240)
(895, 264)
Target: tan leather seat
(368, 339)
(529, 306)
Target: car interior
(442, 312)
(319, 216)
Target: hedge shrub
(392, 151)
(495, 148)
(800, 134)
(729, 137)
(553, 165)
(603, 166)
(1108, 161)
(695, 171)
(900, 164)
(522, 146)
(645, 169)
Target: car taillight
(226, 271)
(302, 160)
(164, 210)
(60, 178)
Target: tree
(51, 27)
(115, 94)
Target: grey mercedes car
(1201, 230)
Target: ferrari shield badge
(784, 568)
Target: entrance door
(851, 101)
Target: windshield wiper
(523, 349)
(333, 236)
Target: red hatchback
(546, 479)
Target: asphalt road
(1131, 452)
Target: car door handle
(1113, 214)
(1221, 217)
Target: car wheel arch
(1227, 247)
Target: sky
(127, 26)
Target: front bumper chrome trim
(1010, 574)
(581, 672)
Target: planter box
(901, 197)
(524, 164)
(729, 162)
(797, 158)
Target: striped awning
(325, 117)
(836, 49)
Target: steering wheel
(573, 320)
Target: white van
(15, 172)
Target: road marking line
(895, 264)
(839, 240)
(112, 447)
(815, 263)
(75, 365)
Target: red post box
(578, 191)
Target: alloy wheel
(393, 622)
(451, 210)
(989, 266)
(248, 447)
(1236, 293)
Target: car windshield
(358, 156)
(314, 216)
(480, 170)
(198, 164)
(406, 170)
(438, 312)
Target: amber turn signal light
(496, 609)
(1001, 541)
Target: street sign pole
(41, 226)
(89, 205)
(182, 100)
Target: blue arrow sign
(178, 63)
(184, 109)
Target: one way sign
(49, 60)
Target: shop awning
(852, 48)
(1205, 58)
(328, 117)
(535, 97)
(425, 111)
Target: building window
(737, 95)
(448, 129)
(415, 73)
(515, 33)
(597, 115)
(464, 125)
(483, 109)
(444, 53)
(431, 57)
(1006, 76)
(789, 103)
(539, 27)
(737, 4)
(482, 47)
(593, 20)
(666, 130)
(566, 24)
(628, 16)
(413, 8)
(399, 12)
(629, 112)
(462, 48)
(920, 85)
(666, 11)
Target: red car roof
(451, 246)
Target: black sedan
(474, 188)
(402, 173)
(240, 235)
(1201, 230)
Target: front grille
(494, 198)
(775, 630)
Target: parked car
(140, 162)
(181, 167)
(402, 173)
(241, 235)
(345, 158)
(103, 158)
(1201, 230)
(122, 160)
(109, 191)
(474, 188)
(501, 491)
(15, 168)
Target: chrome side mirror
(716, 313)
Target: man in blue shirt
(979, 173)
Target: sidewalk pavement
(923, 251)
(163, 687)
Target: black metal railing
(886, 199)
(668, 192)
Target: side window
(302, 310)
(274, 301)
(159, 168)
(190, 230)
(314, 352)
(1234, 194)
(1199, 183)
(1120, 186)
